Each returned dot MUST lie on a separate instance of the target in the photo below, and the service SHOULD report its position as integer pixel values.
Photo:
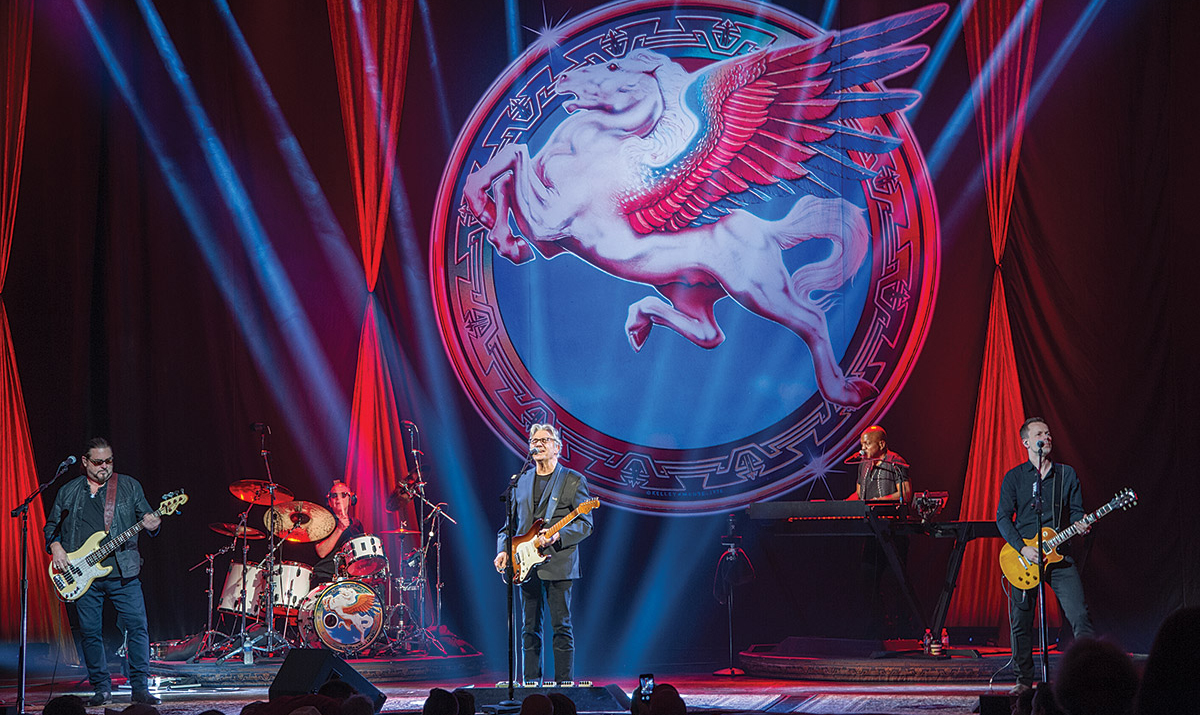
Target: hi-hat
(257, 491)
(225, 528)
(399, 531)
(299, 521)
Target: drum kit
(369, 608)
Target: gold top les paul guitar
(84, 566)
(525, 553)
(1023, 573)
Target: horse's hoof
(637, 336)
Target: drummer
(340, 500)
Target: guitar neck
(115, 543)
(1073, 530)
(558, 525)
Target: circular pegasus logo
(697, 236)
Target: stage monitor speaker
(305, 670)
(995, 704)
(591, 699)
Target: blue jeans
(125, 594)
(1063, 578)
(557, 595)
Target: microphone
(62, 467)
(1040, 444)
(410, 424)
(260, 427)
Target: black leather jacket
(131, 506)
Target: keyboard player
(882, 476)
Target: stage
(951, 686)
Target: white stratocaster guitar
(85, 561)
(526, 554)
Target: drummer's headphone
(353, 496)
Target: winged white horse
(646, 178)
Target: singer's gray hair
(534, 429)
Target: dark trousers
(557, 595)
(125, 594)
(885, 607)
(1063, 578)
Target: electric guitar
(85, 561)
(525, 553)
(1023, 573)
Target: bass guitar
(1023, 573)
(525, 553)
(84, 566)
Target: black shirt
(1062, 502)
(92, 520)
(324, 569)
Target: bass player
(103, 501)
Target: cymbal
(399, 531)
(257, 491)
(227, 529)
(299, 521)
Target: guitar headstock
(588, 505)
(171, 502)
(1124, 499)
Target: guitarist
(549, 491)
(1017, 519)
(102, 500)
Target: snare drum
(346, 616)
(364, 555)
(291, 584)
(231, 593)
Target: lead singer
(549, 491)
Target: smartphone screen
(647, 685)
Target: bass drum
(346, 616)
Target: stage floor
(701, 691)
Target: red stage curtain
(370, 49)
(371, 55)
(375, 454)
(1000, 118)
(18, 475)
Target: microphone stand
(22, 511)
(1038, 504)
(511, 705)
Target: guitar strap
(1058, 487)
(554, 489)
(110, 501)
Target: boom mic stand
(733, 569)
(22, 511)
(510, 507)
(1038, 504)
(272, 641)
